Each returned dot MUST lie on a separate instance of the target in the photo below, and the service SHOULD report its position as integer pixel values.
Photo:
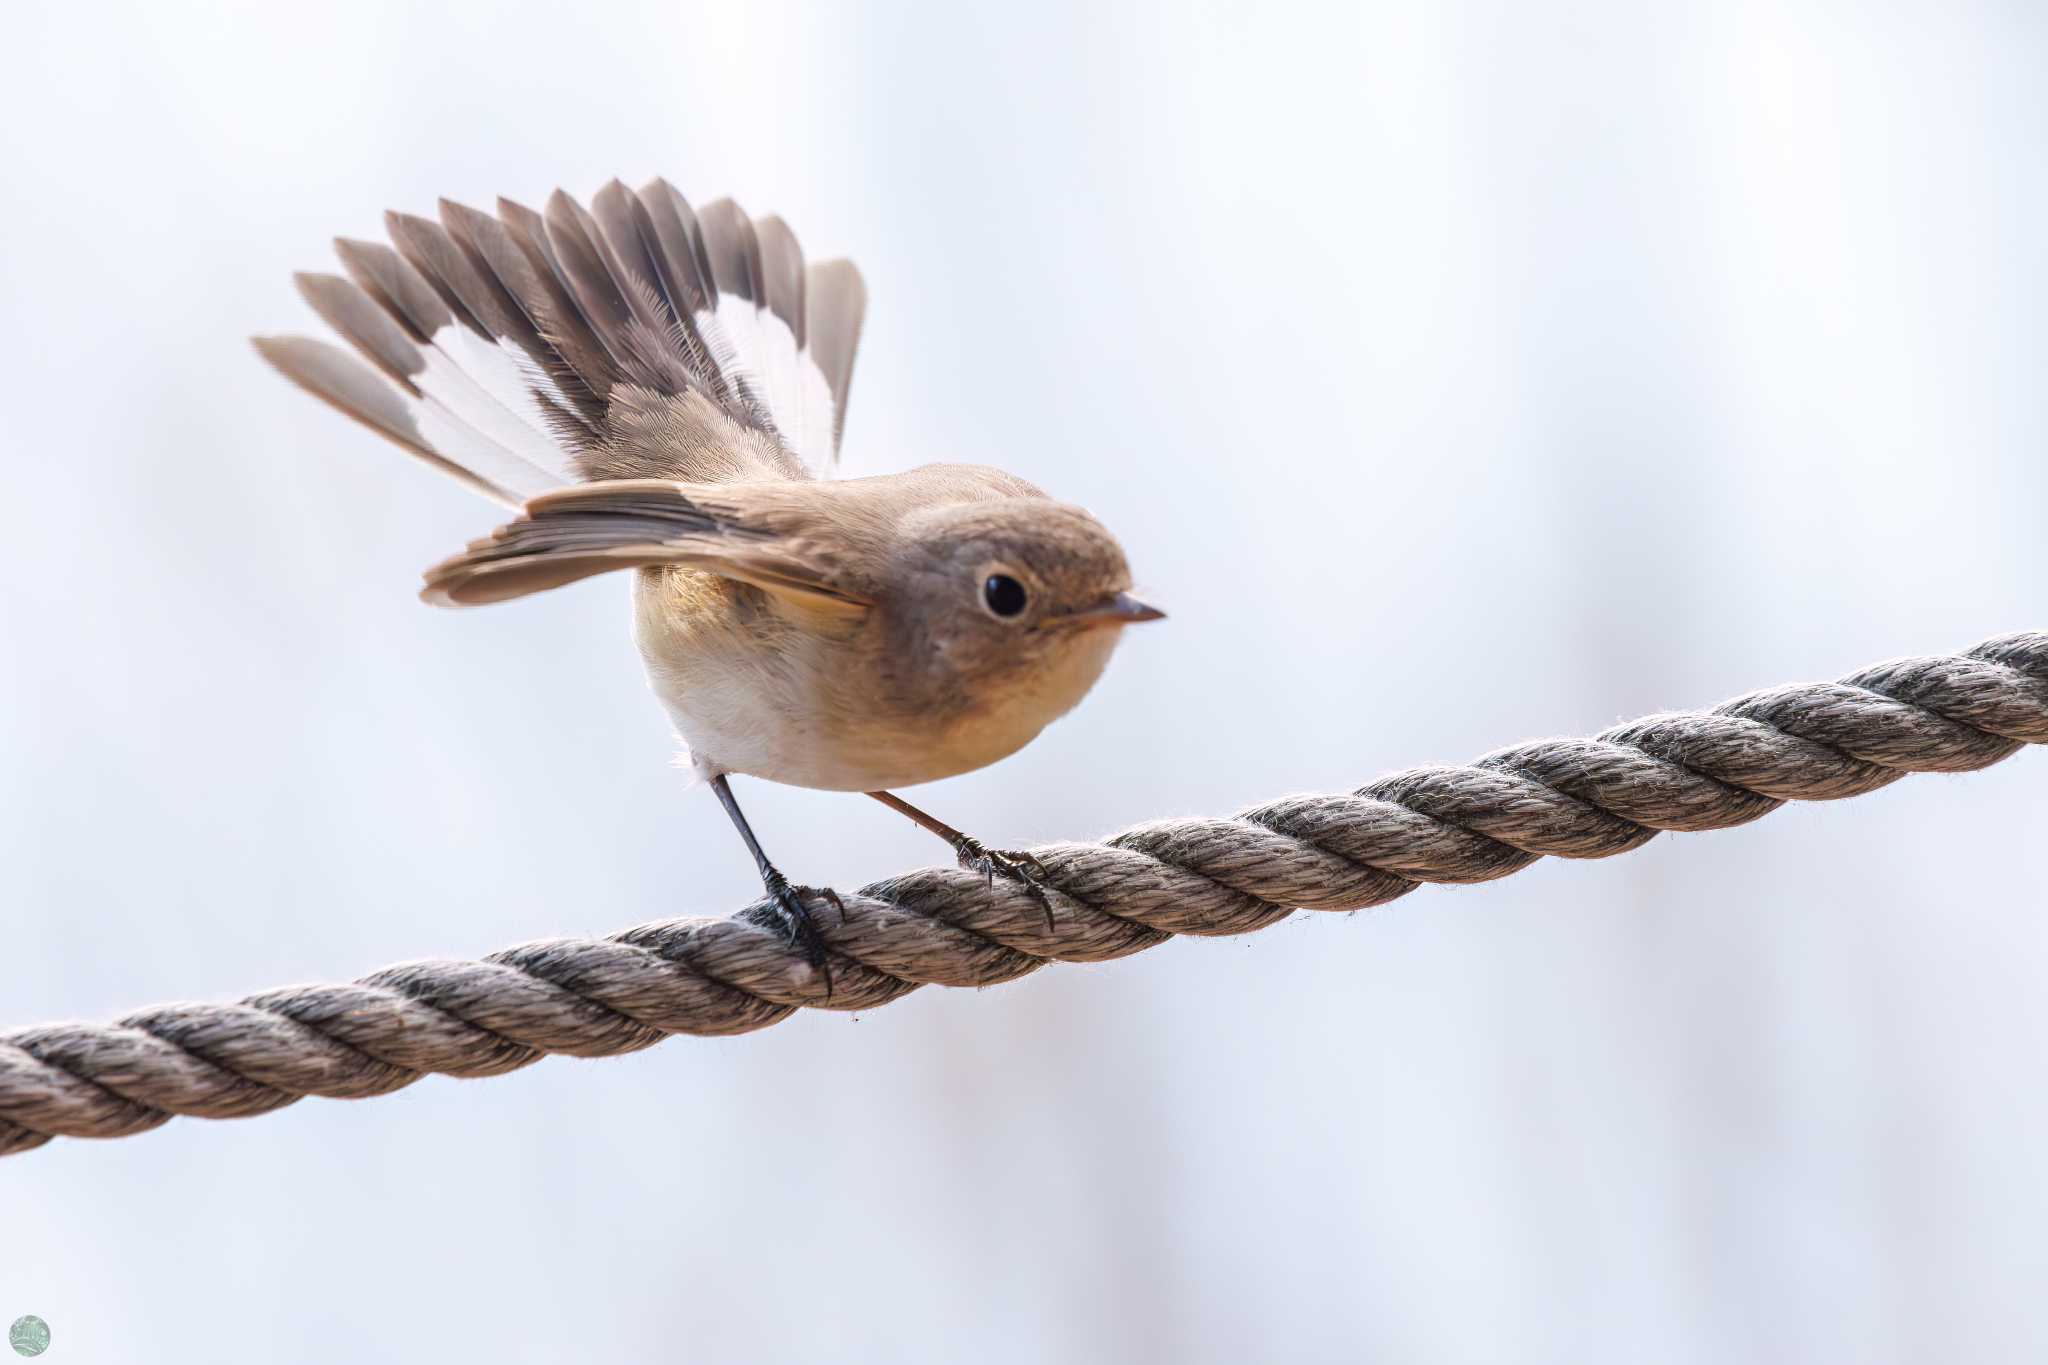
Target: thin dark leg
(788, 900)
(1021, 868)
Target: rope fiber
(1567, 798)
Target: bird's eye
(1005, 595)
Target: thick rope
(1570, 798)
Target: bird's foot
(795, 917)
(1020, 868)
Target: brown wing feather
(758, 533)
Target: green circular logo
(29, 1336)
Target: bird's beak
(1119, 610)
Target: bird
(660, 390)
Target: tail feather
(624, 222)
(733, 250)
(734, 320)
(491, 387)
(521, 457)
(526, 372)
(429, 249)
(528, 350)
(360, 322)
(338, 379)
(552, 306)
(835, 305)
(679, 258)
(595, 279)
(509, 278)
(782, 275)
(684, 268)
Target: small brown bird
(662, 390)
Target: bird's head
(1010, 605)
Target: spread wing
(763, 534)
(637, 337)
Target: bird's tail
(509, 351)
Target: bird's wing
(764, 534)
(505, 348)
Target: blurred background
(1457, 374)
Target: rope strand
(1566, 798)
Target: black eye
(1004, 594)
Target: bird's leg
(788, 900)
(1020, 868)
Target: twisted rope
(1568, 798)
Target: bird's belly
(745, 697)
(733, 728)
(765, 698)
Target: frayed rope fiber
(1568, 798)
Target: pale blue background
(1457, 373)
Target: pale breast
(753, 689)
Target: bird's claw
(1020, 868)
(795, 918)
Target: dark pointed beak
(1120, 610)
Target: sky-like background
(1457, 373)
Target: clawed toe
(795, 916)
(1021, 868)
